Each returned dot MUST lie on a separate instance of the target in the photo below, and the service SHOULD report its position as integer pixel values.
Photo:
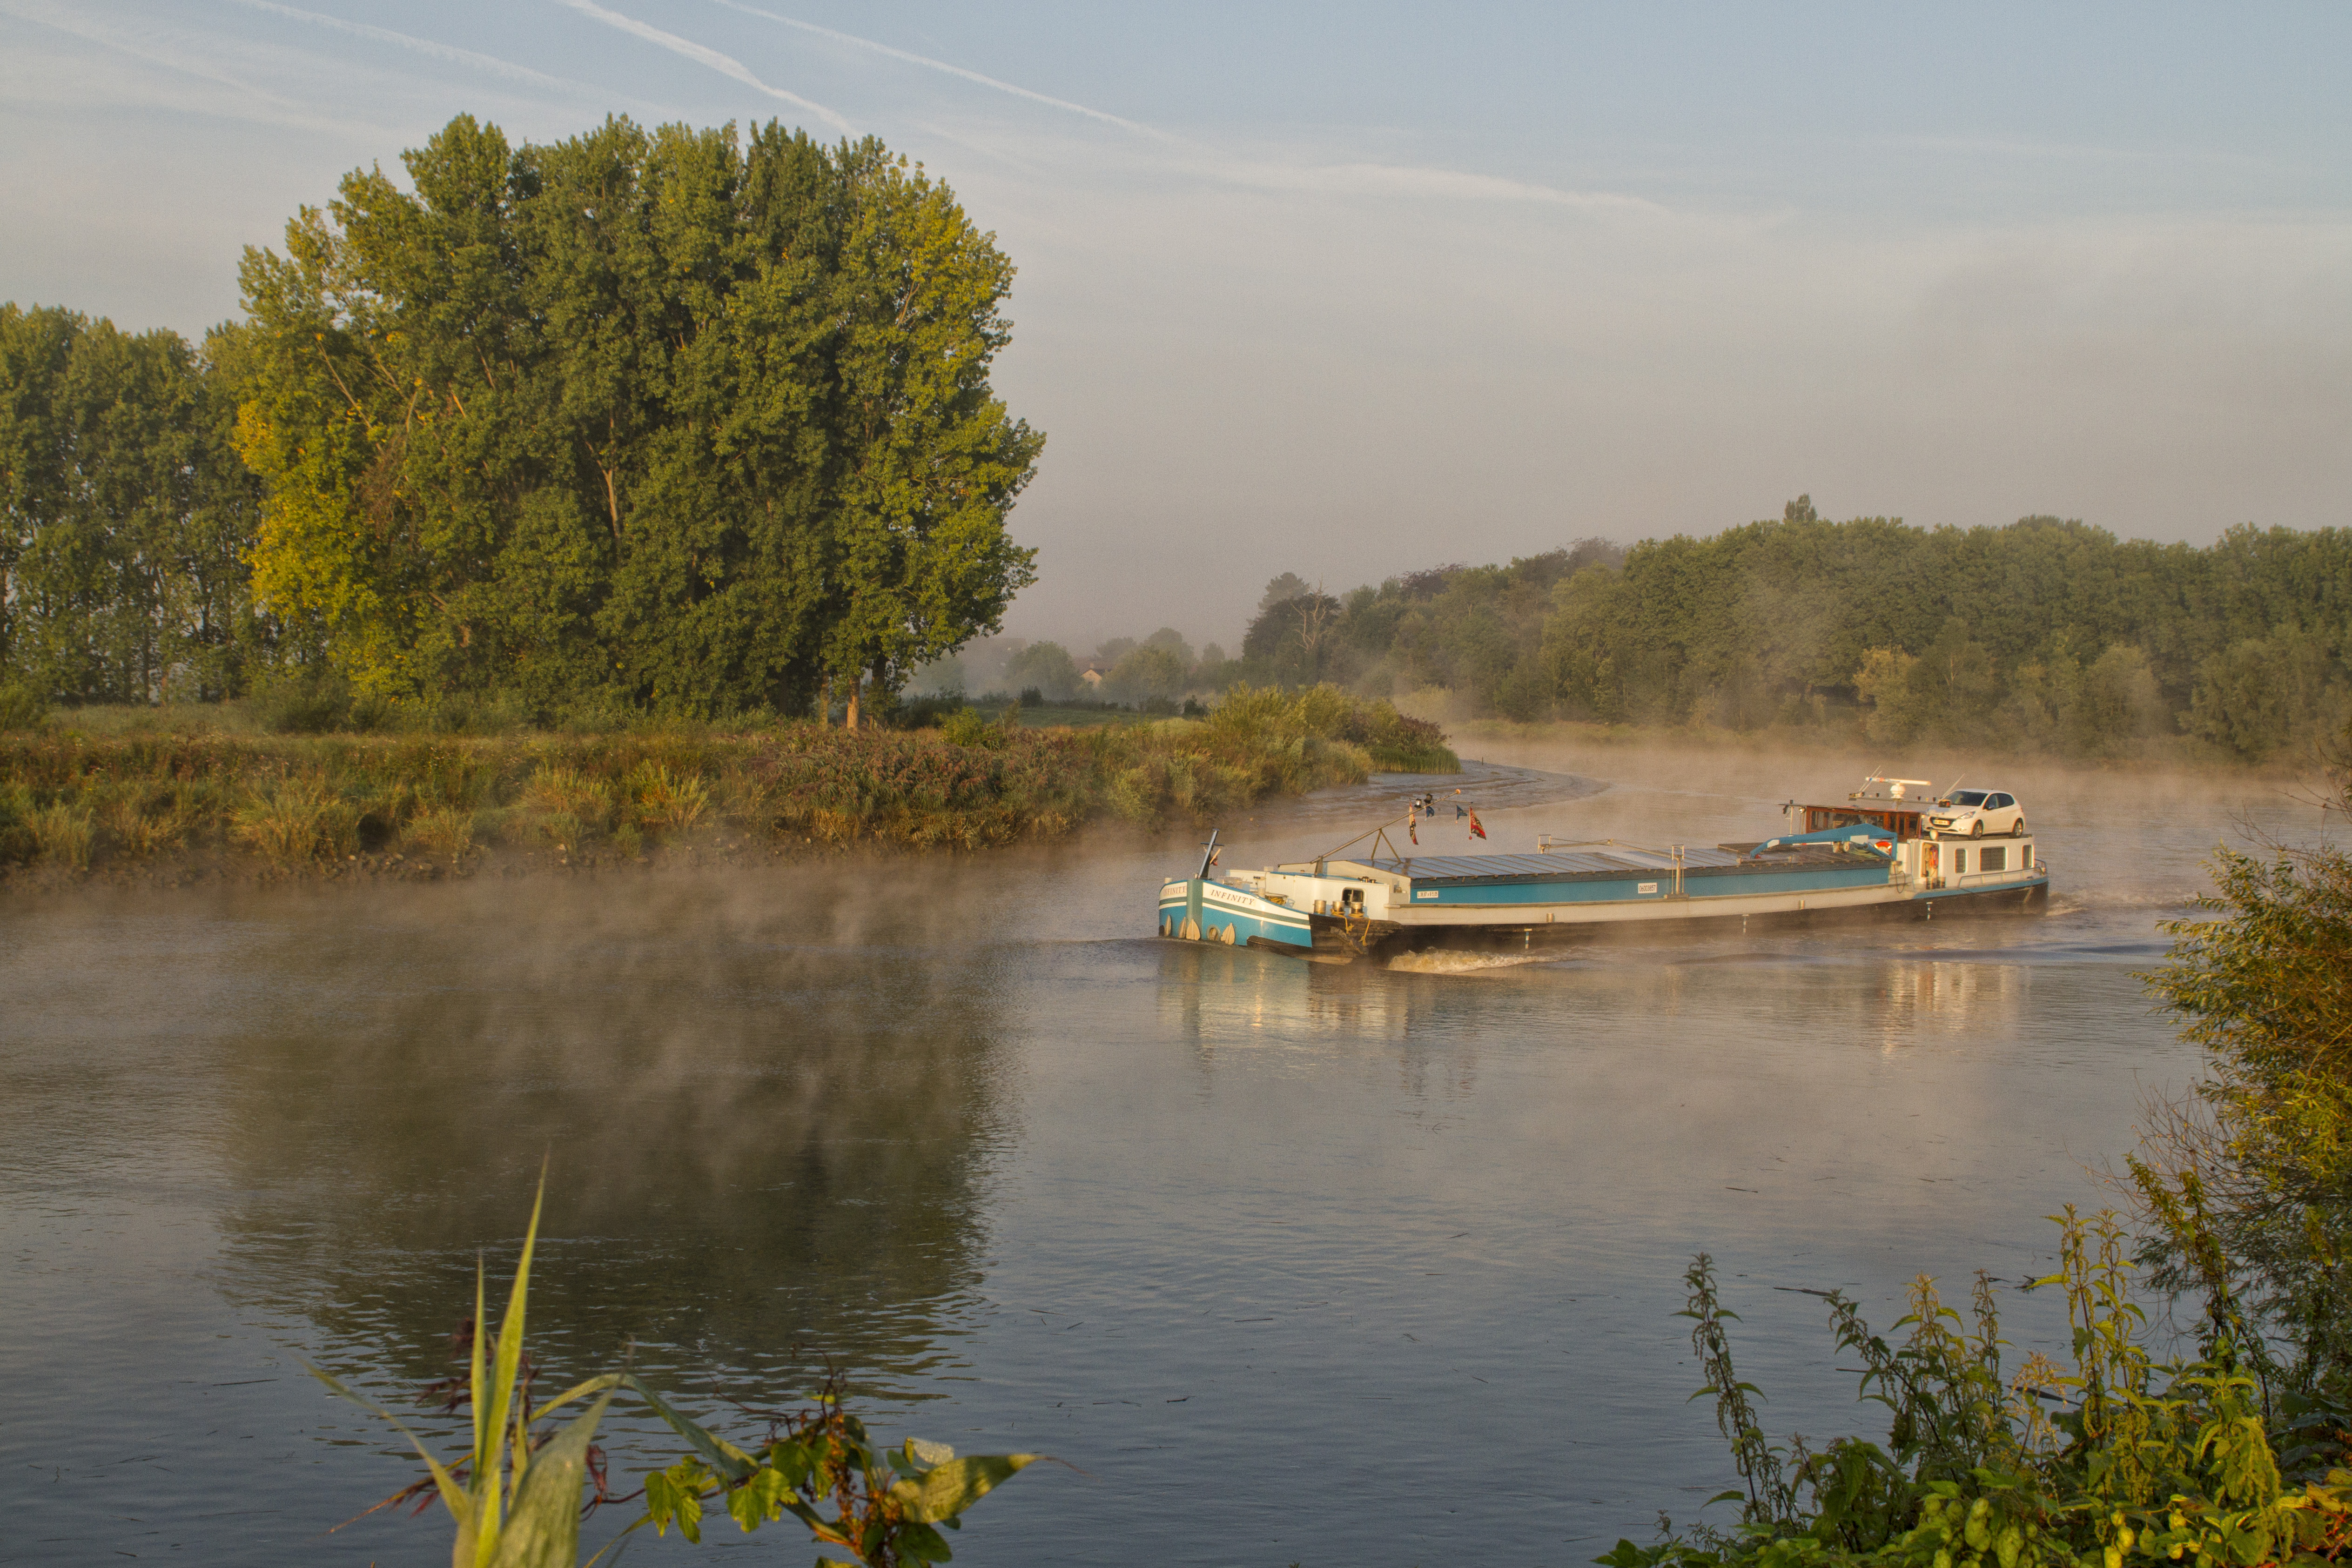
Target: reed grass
(62, 835)
(300, 803)
(668, 801)
(442, 830)
(295, 821)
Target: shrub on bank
(298, 801)
(21, 707)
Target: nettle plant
(515, 1493)
(2121, 1458)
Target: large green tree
(636, 419)
(929, 458)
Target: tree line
(667, 421)
(2042, 634)
(124, 514)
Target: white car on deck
(1973, 813)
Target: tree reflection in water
(770, 1129)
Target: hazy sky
(1349, 290)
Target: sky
(1354, 290)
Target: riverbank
(186, 804)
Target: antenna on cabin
(1210, 858)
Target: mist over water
(1295, 1262)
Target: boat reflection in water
(1850, 987)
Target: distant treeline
(2044, 634)
(636, 421)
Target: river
(1288, 1263)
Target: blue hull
(1201, 911)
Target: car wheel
(2017, 828)
(1975, 829)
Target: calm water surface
(1294, 1264)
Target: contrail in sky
(423, 46)
(1354, 178)
(182, 61)
(725, 65)
(925, 60)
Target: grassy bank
(74, 801)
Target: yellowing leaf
(949, 1489)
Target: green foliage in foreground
(515, 1494)
(2120, 1458)
(2248, 1184)
(298, 803)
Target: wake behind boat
(1880, 855)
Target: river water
(1290, 1263)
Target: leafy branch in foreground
(2121, 1456)
(886, 1502)
(515, 1494)
(2250, 1178)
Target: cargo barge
(1881, 854)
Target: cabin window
(1993, 858)
(1960, 862)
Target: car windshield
(1969, 797)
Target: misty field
(72, 801)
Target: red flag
(1413, 827)
(1476, 830)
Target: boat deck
(1610, 863)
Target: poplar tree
(636, 419)
(930, 460)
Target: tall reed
(514, 1492)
